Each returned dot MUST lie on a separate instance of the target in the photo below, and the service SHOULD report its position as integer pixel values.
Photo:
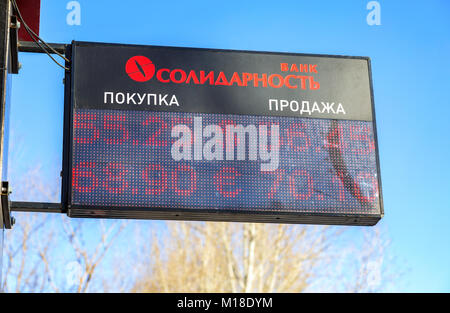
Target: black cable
(36, 39)
(45, 50)
(34, 34)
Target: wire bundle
(38, 40)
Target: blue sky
(411, 76)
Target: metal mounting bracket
(8, 220)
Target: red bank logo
(140, 68)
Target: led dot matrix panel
(197, 134)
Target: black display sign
(199, 134)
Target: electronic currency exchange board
(198, 134)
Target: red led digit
(115, 122)
(227, 177)
(115, 182)
(296, 137)
(279, 174)
(294, 179)
(84, 170)
(361, 134)
(224, 122)
(269, 127)
(176, 120)
(85, 121)
(156, 177)
(192, 180)
(156, 130)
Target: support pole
(5, 21)
(25, 46)
(36, 207)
